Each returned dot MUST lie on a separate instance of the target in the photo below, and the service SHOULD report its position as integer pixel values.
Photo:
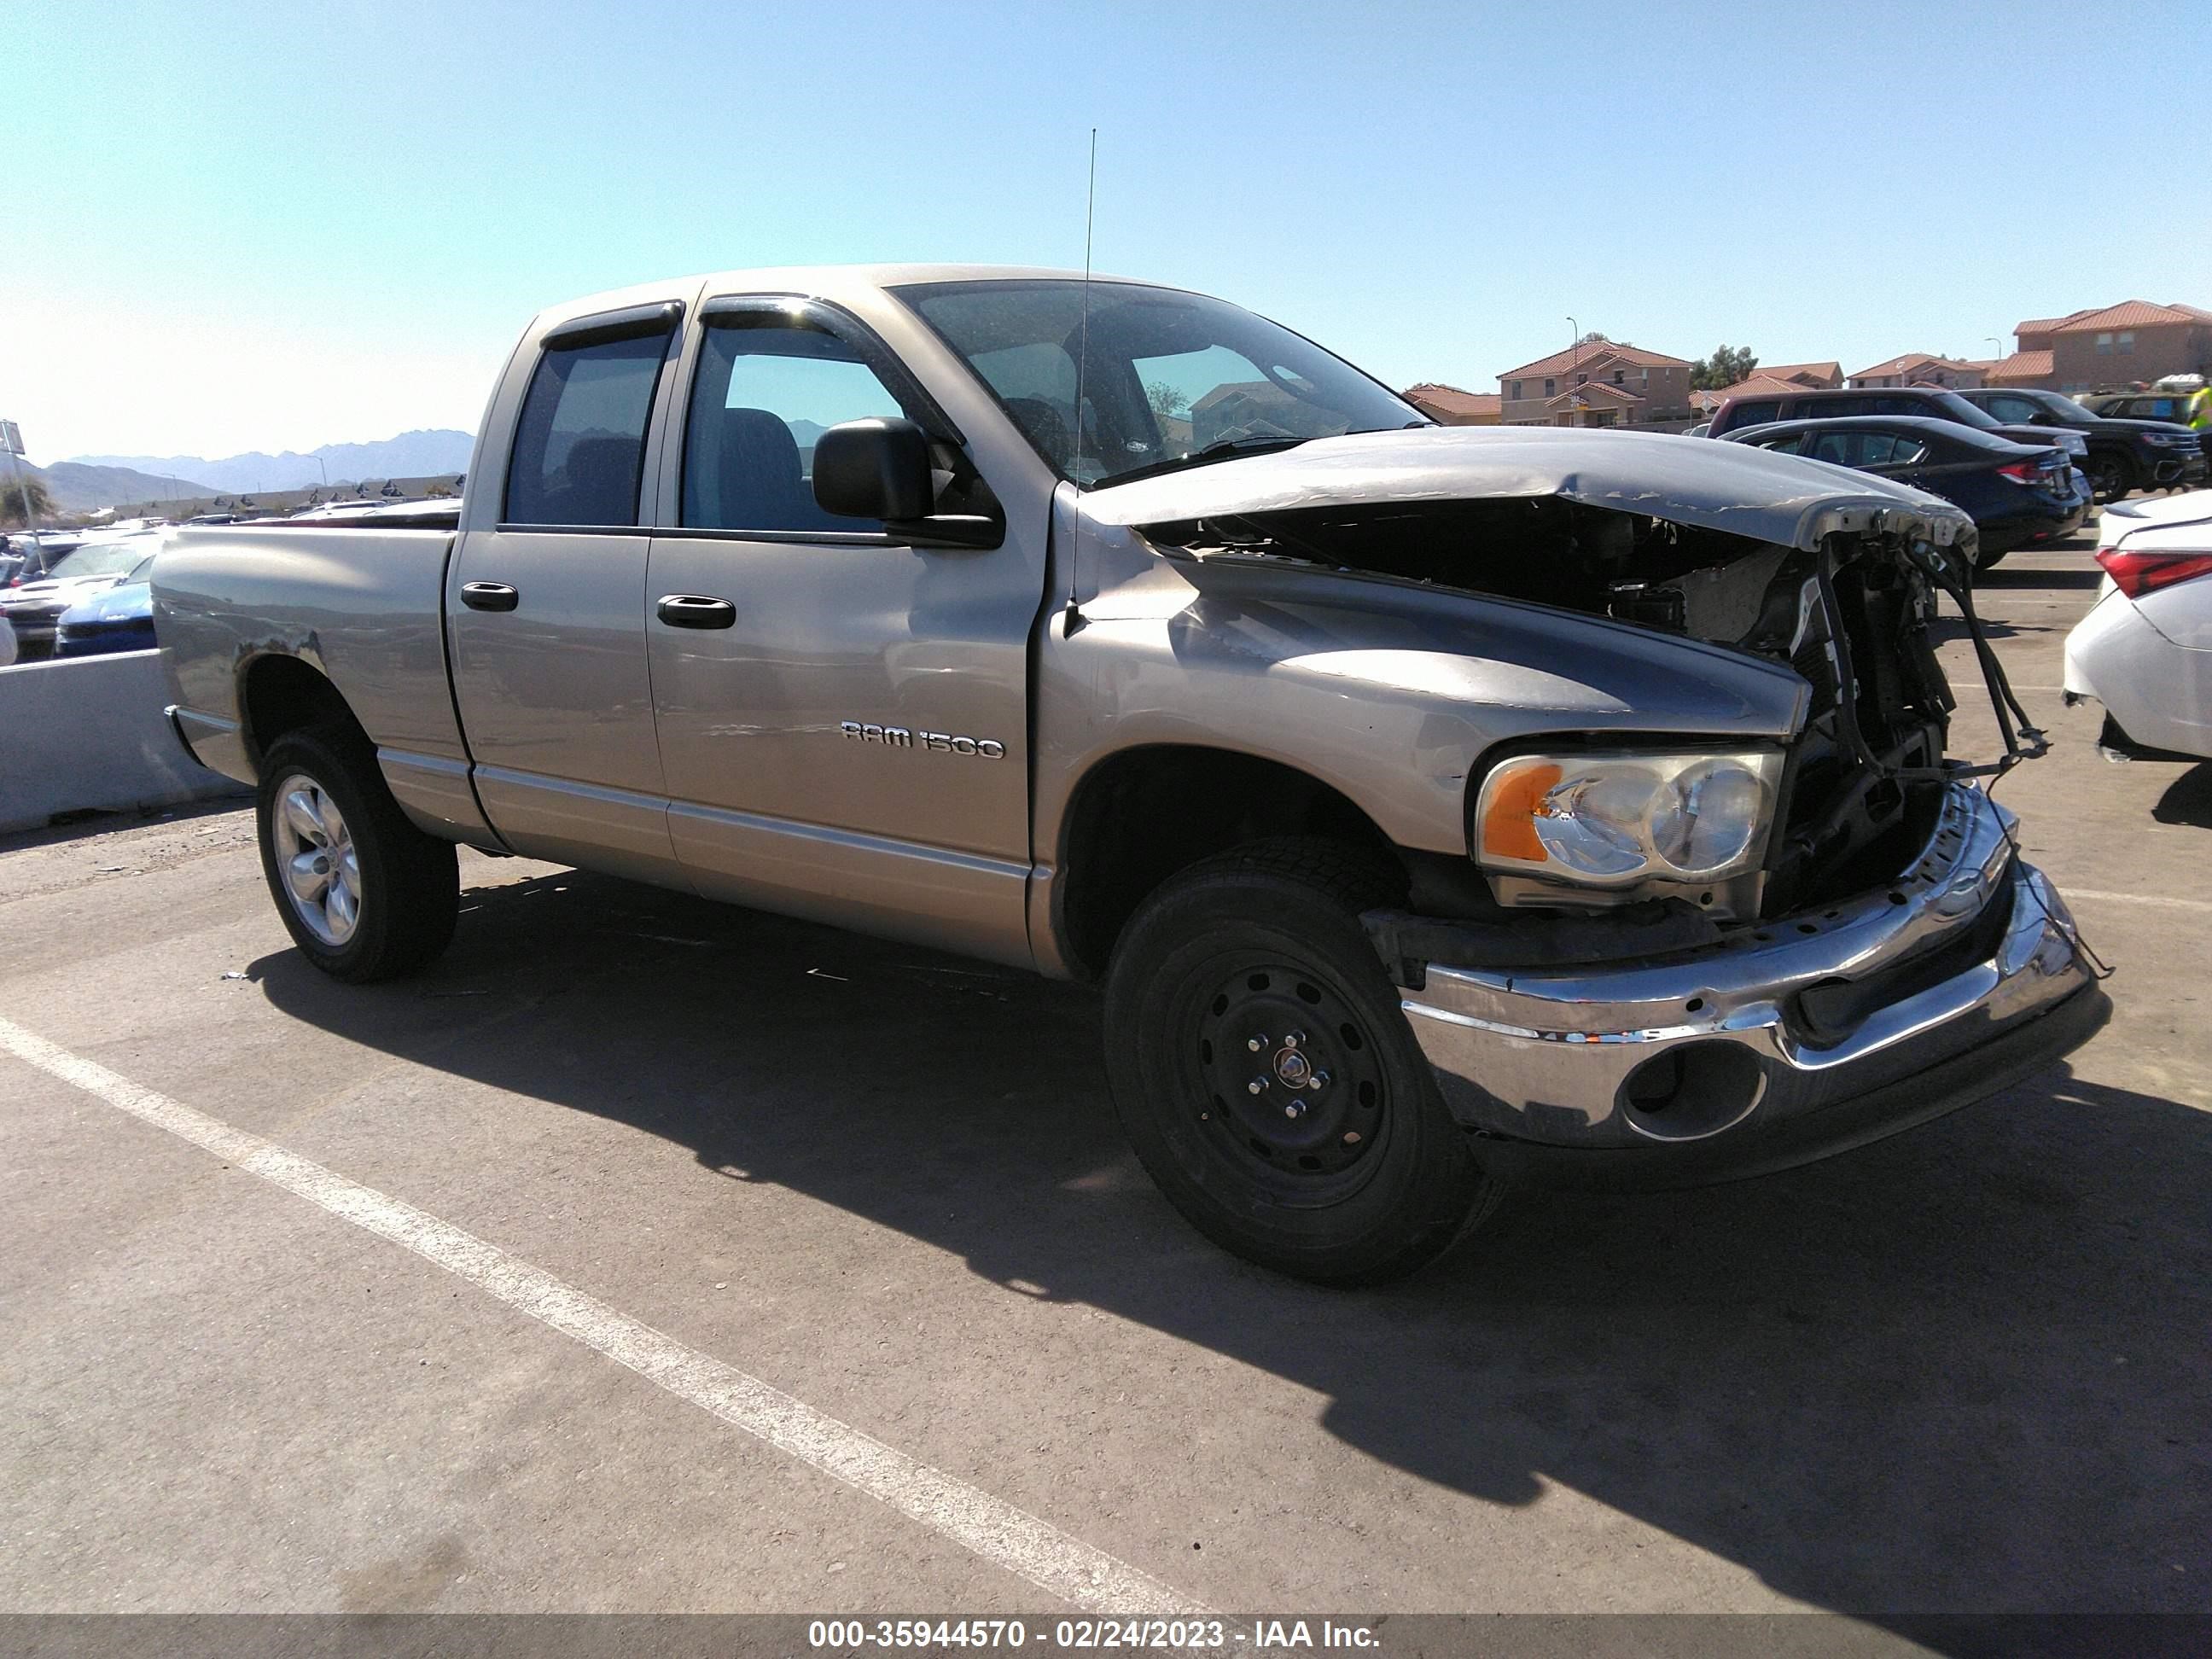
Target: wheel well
(282, 694)
(1142, 815)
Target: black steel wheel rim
(1285, 1076)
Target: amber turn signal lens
(1509, 823)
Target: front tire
(365, 895)
(2110, 477)
(1267, 1078)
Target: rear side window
(1864, 449)
(580, 445)
(1755, 414)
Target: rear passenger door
(545, 602)
(843, 717)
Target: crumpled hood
(1694, 482)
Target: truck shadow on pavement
(1963, 1370)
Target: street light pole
(1573, 354)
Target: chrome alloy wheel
(315, 855)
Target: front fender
(1388, 691)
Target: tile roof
(1434, 396)
(2020, 366)
(1906, 364)
(2048, 324)
(1760, 381)
(1829, 372)
(2129, 314)
(1606, 386)
(1583, 356)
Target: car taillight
(2137, 573)
(2022, 472)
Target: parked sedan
(2018, 495)
(2145, 649)
(2123, 455)
(120, 619)
(34, 609)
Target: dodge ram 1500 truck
(1441, 809)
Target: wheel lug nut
(1318, 1080)
(1257, 1085)
(1256, 1043)
(1296, 1109)
(1295, 1040)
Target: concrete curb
(88, 732)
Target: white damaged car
(2145, 650)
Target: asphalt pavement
(650, 1255)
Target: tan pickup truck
(1441, 809)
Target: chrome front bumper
(1747, 1046)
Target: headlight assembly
(1615, 821)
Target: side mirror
(877, 468)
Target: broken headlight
(1627, 821)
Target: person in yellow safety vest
(2200, 407)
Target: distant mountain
(77, 487)
(411, 455)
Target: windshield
(1167, 376)
(103, 558)
(2067, 407)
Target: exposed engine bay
(1861, 788)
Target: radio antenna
(1083, 347)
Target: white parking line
(996, 1530)
(2160, 899)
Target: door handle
(697, 611)
(490, 596)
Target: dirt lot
(1964, 1369)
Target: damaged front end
(1772, 937)
(1857, 790)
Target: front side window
(1788, 443)
(580, 445)
(767, 385)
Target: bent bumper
(1778, 1044)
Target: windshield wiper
(1224, 449)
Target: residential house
(1596, 382)
(2119, 346)
(1449, 405)
(1919, 368)
(1778, 380)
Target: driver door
(843, 718)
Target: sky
(235, 227)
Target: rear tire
(1236, 986)
(365, 895)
